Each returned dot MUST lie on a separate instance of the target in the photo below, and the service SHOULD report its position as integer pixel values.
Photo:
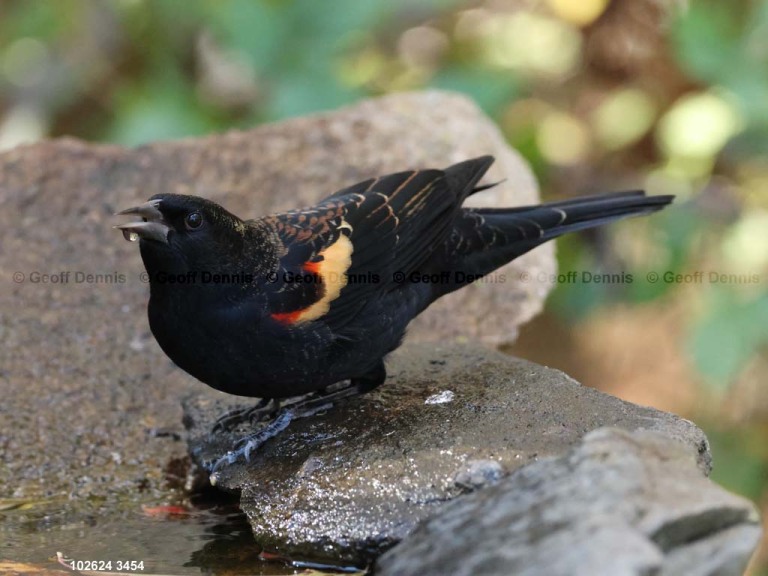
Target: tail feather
(484, 239)
(557, 218)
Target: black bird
(293, 303)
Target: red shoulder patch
(287, 317)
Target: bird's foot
(245, 446)
(262, 410)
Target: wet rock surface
(90, 415)
(348, 484)
(618, 503)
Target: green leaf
(158, 111)
(739, 459)
(489, 88)
(707, 38)
(724, 340)
(299, 94)
(258, 29)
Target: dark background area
(671, 96)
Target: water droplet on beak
(130, 235)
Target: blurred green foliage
(596, 94)
(744, 322)
(724, 45)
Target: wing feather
(355, 240)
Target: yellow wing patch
(332, 269)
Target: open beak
(152, 227)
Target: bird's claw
(228, 458)
(245, 446)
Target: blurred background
(667, 95)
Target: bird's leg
(264, 408)
(360, 385)
(248, 444)
(370, 380)
(301, 407)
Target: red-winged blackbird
(291, 303)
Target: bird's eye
(193, 221)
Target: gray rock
(84, 386)
(346, 485)
(619, 503)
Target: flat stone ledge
(348, 484)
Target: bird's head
(179, 233)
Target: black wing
(346, 250)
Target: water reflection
(159, 535)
